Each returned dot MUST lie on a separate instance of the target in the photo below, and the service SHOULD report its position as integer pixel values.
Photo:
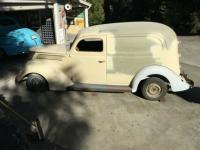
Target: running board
(99, 88)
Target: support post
(86, 18)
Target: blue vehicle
(14, 39)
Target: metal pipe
(86, 18)
(56, 21)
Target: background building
(52, 19)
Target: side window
(90, 45)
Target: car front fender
(177, 82)
(57, 80)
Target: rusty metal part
(189, 81)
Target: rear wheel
(37, 83)
(154, 89)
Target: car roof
(128, 28)
(161, 31)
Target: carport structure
(16, 5)
(33, 14)
(56, 9)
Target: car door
(89, 55)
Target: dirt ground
(111, 121)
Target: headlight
(33, 37)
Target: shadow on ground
(63, 115)
(191, 95)
(11, 65)
(62, 127)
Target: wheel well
(161, 77)
(158, 76)
(26, 76)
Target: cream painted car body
(127, 49)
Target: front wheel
(154, 89)
(37, 83)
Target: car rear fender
(177, 83)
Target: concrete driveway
(112, 121)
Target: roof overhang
(19, 5)
(27, 1)
(85, 3)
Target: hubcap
(153, 90)
(36, 83)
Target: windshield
(71, 41)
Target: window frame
(90, 40)
(75, 52)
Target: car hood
(51, 49)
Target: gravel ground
(112, 121)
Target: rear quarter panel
(127, 55)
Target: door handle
(101, 61)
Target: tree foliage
(96, 14)
(182, 15)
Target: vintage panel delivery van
(112, 57)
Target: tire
(154, 89)
(36, 83)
